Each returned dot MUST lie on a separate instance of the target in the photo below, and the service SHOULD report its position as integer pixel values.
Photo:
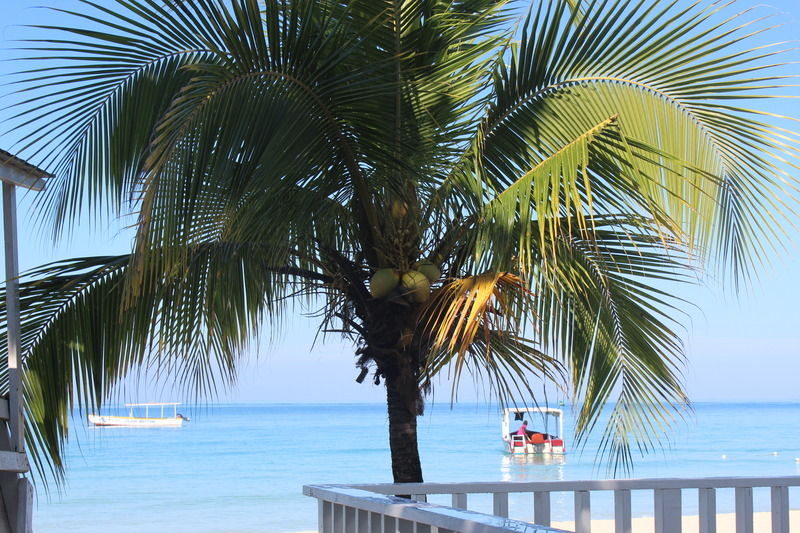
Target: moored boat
(176, 420)
(523, 440)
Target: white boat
(176, 420)
(544, 436)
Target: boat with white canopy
(134, 409)
(544, 436)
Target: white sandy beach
(725, 523)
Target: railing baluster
(707, 510)
(583, 512)
(420, 497)
(459, 501)
(622, 511)
(375, 523)
(405, 526)
(780, 509)
(668, 512)
(338, 518)
(500, 504)
(421, 528)
(744, 509)
(362, 521)
(541, 508)
(349, 520)
(325, 517)
(389, 524)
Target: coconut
(430, 270)
(416, 286)
(383, 282)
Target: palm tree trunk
(401, 402)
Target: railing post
(744, 509)
(583, 512)
(541, 508)
(500, 504)
(622, 511)
(668, 512)
(459, 501)
(707, 510)
(780, 509)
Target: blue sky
(744, 347)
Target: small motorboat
(546, 439)
(176, 420)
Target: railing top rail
(434, 515)
(484, 487)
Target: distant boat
(539, 442)
(176, 420)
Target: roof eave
(18, 172)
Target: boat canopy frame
(544, 411)
(147, 407)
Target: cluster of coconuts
(414, 284)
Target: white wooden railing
(667, 503)
(349, 510)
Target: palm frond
(478, 324)
(606, 308)
(87, 327)
(672, 77)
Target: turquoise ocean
(241, 468)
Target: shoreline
(689, 524)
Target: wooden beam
(488, 487)
(10, 492)
(541, 508)
(583, 511)
(668, 510)
(14, 176)
(14, 462)
(500, 504)
(780, 509)
(12, 318)
(707, 510)
(622, 511)
(459, 501)
(15, 171)
(24, 518)
(744, 509)
(8, 487)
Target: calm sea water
(240, 468)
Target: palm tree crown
(452, 185)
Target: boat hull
(545, 448)
(133, 421)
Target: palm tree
(470, 185)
